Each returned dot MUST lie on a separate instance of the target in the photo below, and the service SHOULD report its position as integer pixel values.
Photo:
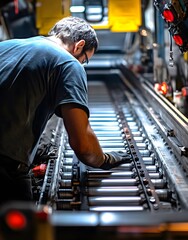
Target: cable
(171, 60)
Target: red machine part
(40, 170)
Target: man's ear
(78, 46)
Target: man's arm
(84, 142)
(82, 139)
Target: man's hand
(114, 159)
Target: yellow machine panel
(49, 12)
(124, 15)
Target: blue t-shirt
(36, 77)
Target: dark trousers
(15, 183)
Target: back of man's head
(73, 29)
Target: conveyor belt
(141, 176)
(146, 198)
(144, 184)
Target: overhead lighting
(77, 9)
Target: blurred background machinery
(138, 87)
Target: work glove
(114, 159)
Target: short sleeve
(71, 86)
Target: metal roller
(129, 118)
(116, 208)
(145, 153)
(110, 174)
(138, 139)
(67, 168)
(136, 134)
(114, 191)
(112, 182)
(66, 175)
(148, 160)
(102, 124)
(110, 139)
(134, 128)
(106, 128)
(164, 194)
(124, 167)
(105, 144)
(107, 133)
(154, 175)
(141, 146)
(101, 119)
(65, 194)
(152, 168)
(159, 183)
(67, 161)
(115, 201)
(68, 153)
(106, 149)
(99, 114)
(65, 183)
(132, 125)
(71, 153)
(98, 111)
(112, 144)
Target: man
(41, 76)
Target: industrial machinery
(175, 15)
(170, 51)
(146, 198)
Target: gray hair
(73, 29)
